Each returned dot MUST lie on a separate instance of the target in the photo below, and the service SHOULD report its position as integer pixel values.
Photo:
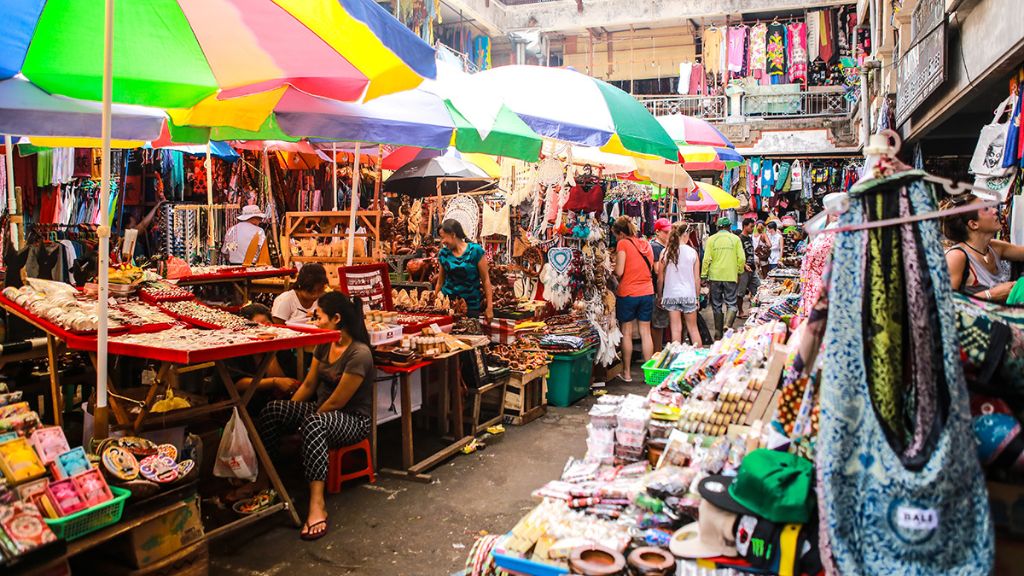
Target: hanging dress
(796, 45)
(776, 49)
(756, 61)
(712, 49)
(898, 474)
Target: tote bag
(987, 160)
(900, 487)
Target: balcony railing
(806, 104)
(713, 108)
(796, 105)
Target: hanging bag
(236, 457)
(900, 486)
(988, 154)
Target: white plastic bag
(236, 457)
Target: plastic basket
(654, 376)
(91, 519)
(380, 337)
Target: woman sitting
(282, 364)
(333, 405)
(978, 263)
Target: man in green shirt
(723, 263)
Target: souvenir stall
(81, 494)
(655, 463)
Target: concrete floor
(399, 527)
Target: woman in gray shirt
(332, 406)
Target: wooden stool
(497, 389)
(335, 466)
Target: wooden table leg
(120, 413)
(261, 371)
(257, 443)
(161, 375)
(55, 389)
(407, 452)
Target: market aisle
(400, 528)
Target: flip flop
(309, 536)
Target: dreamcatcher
(465, 211)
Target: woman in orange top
(634, 265)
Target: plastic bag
(236, 457)
(177, 268)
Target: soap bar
(19, 462)
(49, 443)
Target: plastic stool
(335, 464)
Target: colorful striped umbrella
(708, 158)
(565, 105)
(695, 131)
(706, 197)
(176, 53)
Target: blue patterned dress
(462, 276)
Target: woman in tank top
(978, 263)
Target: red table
(240, 277)
(172, 364)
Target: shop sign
(927, 15)
(919, 72)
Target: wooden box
(525, 396)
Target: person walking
(723, 262)
(775, 243)
(634, 261)
(748, 281)
(679, 284)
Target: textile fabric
(321, 432)
(712, 49)
(899, 480)
(756, 61)
(776, 49)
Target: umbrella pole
(334, 164)
(353, 207)
(12, 197)
(101, 421)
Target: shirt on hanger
(737, 41)
(684, 77)
(796, 42)
(712, 49)
(776, 51)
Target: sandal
(309, 535)
(261, 501)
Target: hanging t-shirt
(737, 41)
(756, 60)
(712, 50)
(684, 77)
(776, 49)
(796, 44)
(767, 178)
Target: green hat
(773, 485)
(724, 221)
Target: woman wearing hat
(240, 238)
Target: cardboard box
(160, 537)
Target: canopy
(562, 104)
(27, 110)
(690, 130)
(176, 53)
(706, 197)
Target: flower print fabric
(776, 49)
(796, 36)
(756, 61)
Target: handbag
(654, 275)
(987, 160)
(898, 474)
(992, 343)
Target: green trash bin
(570, 376)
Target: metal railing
(797, 104)
(707, 107)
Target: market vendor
(332, 407)
(276, 378)
(240, 239)
(464, 271)
(978, 263)
(296, 305)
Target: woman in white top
(775, 241)
(679, 284)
